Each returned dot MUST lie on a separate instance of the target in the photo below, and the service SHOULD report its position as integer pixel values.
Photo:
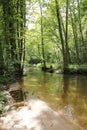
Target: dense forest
(39, 36)
(49, 33)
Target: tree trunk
(65, 64)
(74, 28)
(66, 35)
(14, 23)
(81, 33)
(42, 39)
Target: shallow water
(62, 92)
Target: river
(61, 92)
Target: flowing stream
(61, 92)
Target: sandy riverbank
(35, 115)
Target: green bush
(1, 108)
(79, 69)
(2, 97)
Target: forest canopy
(49, 32)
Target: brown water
(62, 92)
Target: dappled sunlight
(68, 96)
(59, 91)
(36, 115)
(33, 80)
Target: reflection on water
(17, 95)
(60, 91)
(16, 90)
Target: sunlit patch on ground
(36, 115)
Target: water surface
(62, 92)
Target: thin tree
(74, 29)
(80, 31)
(66, 34)
(61, 35)
(42, 39)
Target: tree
(1, 45)
(64, 48)
(42, 38)
(13, 39)
(74, 29)
(66, 34)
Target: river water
(61, 92)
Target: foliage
(2, 97)
(1, 108)
(75, 50)
(77, 69)
(56, 33)
(3, 100)
(12, 42)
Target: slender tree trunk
(21, 12)
(24, 17)
(12, 38)
(42, 39)
(66, 36)
(5, 7)
(74, 28)
(61, 34)
(80, 24)
(1, 60)
(81, 33)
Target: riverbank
(71, 69)
(76, 69)
(33, 115)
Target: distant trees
(70, 27)
(56, 33)
(61, 28)
(78, 24)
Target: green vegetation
(1, 108)
(2, 97)
(12, 24)
(57, 35)
(43, 33)
(2, 101)
(77, 69)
